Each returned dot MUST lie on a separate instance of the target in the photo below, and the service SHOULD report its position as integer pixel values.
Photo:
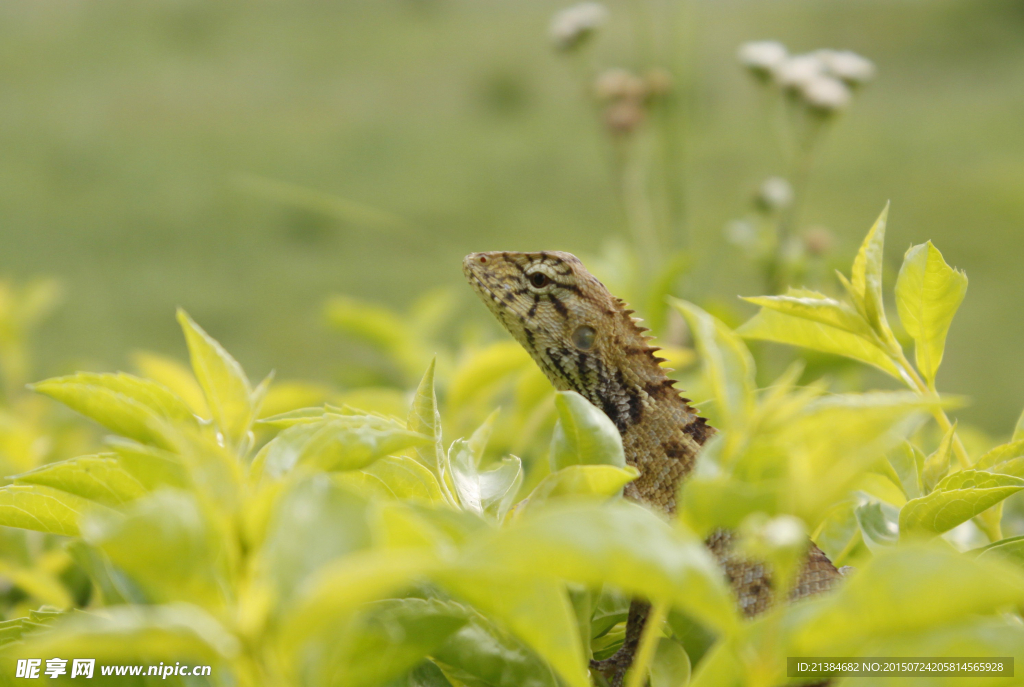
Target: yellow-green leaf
(928, 293)
(866, 277)
(338, 590)
(425, 418)
(45, 509)
(535, 610)
(708, 503)
(584, 435)
(616, 543)
(124, 404)
(225, 386)
(175, 376)
(336, 442)
(1001, 454)
(891, 595)
(956, 499)
(583, 480)
(728, 364)
(818, 307)
(936, 466)
(100, 478)
(770, 325)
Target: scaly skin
(586, 340)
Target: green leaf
(126, 405)
(100, 478)
(671, 665)
(45, 509)
(1001, 454)
(173, 632)
(404, 478)
(956, 499)
(817, 307)
(985, 636)
(712, 502)
(483, 370)
(878, 524)
(114, 586)
(535, 610)
(225, 386)
(426, 674)
(152, 467)
(425, 418)
(583, 480)
(584, 435)
(770, 325)
(936, 466)
(889, 595)
(866, 277)
(615, 543)
(168, 545)
(390, 638)
(482, 655)
(488, 491)
(337, 590)
(175, 376)
(1010, 549)
(728, 364)
(290, 418)
(337, 442)
(907, 461)
(928, 293)
(313, 522)
(838, 534)
(1018, 429)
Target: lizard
(586, 340)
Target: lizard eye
(539, 280)
(583, 337)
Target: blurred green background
(133, 136)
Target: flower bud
(623, 116)
(847, 66)
(619, 84)
(659, 82)
(775, 194)
(761, 57)
(571, 27)
(826, 94)
(818, 241)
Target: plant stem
(917, 384)
(637, 675)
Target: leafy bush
(333, 545)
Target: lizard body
(586, 340)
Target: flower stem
(917, 384)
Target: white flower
(826, 94)
(848, 66)
(799, 70)
(573, 25)
(761, 57)
(775, 194)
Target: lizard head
(559, 312)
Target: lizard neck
(661, 433)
